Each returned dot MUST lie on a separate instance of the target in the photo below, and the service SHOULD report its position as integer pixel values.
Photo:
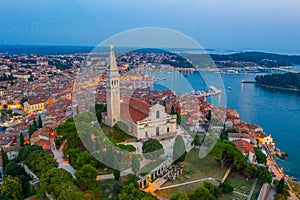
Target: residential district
(40, 95)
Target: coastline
(279, 88)
(250, 117)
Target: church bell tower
(112, 90)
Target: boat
(229, 88)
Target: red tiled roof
(46, 130)
(131, 113)
(44, 144)
(12, 148)
(244, 146)
(262, 135)
(34, 101)
(137, 104)
(238, 135)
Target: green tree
(85, 158)
(212, 188)
(250, 171)
(260, 156)
(128, 147)
(196, 140)
(35, 124)
(135, 164)
(178, 118)
(40, 122)
(209, 115)
(25, 151)
(227, 154)
(99, 108)
(116, 170)
(264, 175)
(152, 149)
(77, 110)
(85, 177)
(70, 191)
(68, 132)
(11, 187)
(13, 169)
(132, 179)
(224, 135)
(39, 162)
(4, 158)
(96, 192)
(282, 188)
(32, 128)
(51, 180)
(129, 192)
(179, 150)
(179, 196)
(99, 116)
(72, 155)
(117, 174)
(22, 140)
(201, 193)
(173, 111)
(165, 105)
(226, 188)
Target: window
(168, 130)
(146, 134)
(157, 131)
(157, 114)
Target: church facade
(143, 120)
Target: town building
(43, 137)
(34, 105)
(21, 75)
(142, 119)
(265, 139)
(247, 149)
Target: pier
(251, 82)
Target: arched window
(157, 114)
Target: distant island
(245, 59)
(258, 58)
(288, 81)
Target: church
(143, 120)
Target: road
(275, 169)
(277, 175)
(252, 189)
(186, 183)
(62, 163)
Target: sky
(226, 24)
